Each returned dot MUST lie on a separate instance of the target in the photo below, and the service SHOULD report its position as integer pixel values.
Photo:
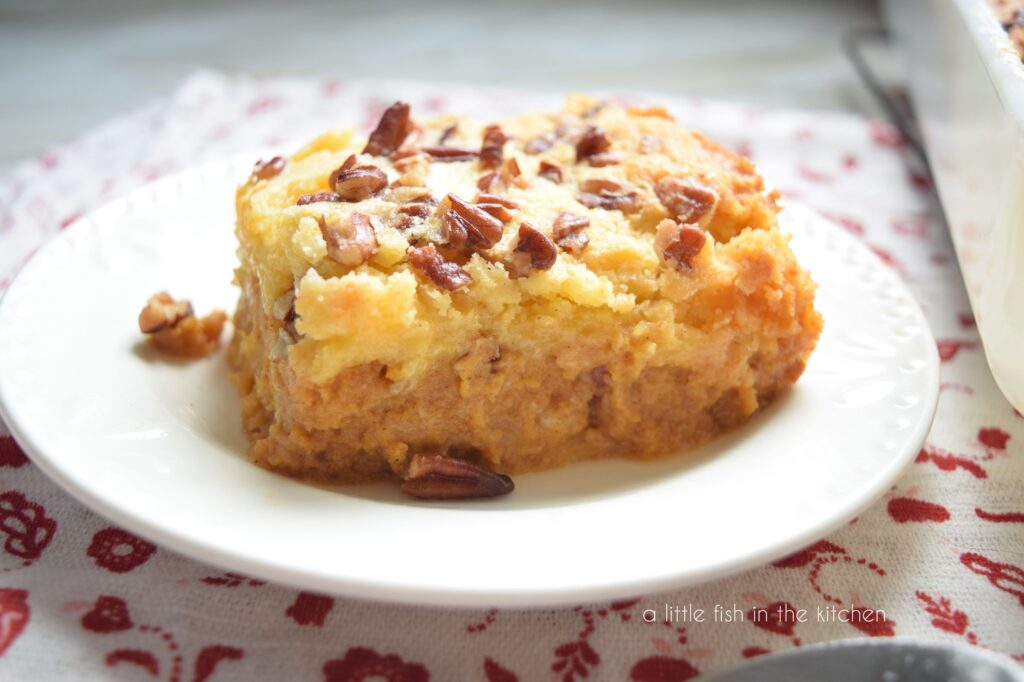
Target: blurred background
(69, 65)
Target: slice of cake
(448, 302)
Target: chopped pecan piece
(687, 200)
(350, 242)
(420, 208)
(550, 171)
(605, 159)
(446, 133)
(439, 270)
(487, 181)
(392, 129)
(492, 148)
(284, 307)
(172, 327)
(317, 197)
(510, 169)
(431, 476)
(450, 154)
(593, 141)
(409, 161)
(679, 244)
(264, 170)
(539, 144)
(348, 163)
(567, 231)
(609, 195)
(482, 230)
(162, 311)
(495, 199)
(356, 184)
(498, 211)
(534, 250)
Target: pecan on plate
(431, 476)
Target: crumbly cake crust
(595, 283)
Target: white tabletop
(70, 66)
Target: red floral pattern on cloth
(939, 557)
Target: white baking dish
(967, 87)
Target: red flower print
(210, 656)
(904, 509)
(778, 617)
(310, 609)
(662, 669)
(119, 551)
(851, 225)
(1005, 577)
(871, 622)
(109, 614)
(885, 134)
(14, 615)
(143, 659)
(498, 673)
(361, 663)
(993, 438)
(949, 349)
(573, 658)
(1008, 517)
(806, 556)
(11, 455)
(28, 528)
(947, 461)
(945, 617)
(754, 651)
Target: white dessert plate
(157, 446)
